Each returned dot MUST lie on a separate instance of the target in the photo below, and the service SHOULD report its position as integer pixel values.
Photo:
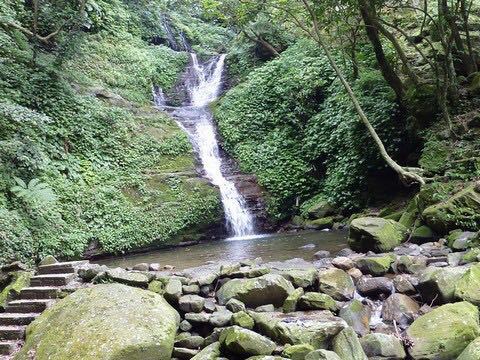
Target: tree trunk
(372, 32)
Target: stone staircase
(50, 283)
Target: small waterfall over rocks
(203, 82)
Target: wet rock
(314, 327)
(336, 283)
(267, 289)
(468, 286)
(297, 352)
(343, 262)
(438, 284)
(265, 308)
(173, 291)
(383, 346)
(242, 319)
(357, 315)
(221, 318)
(445, 332)
(141, 267)
(245, 342)
(346, 252)
(317, 301)
(347, 345)
(400, 308)
(374, 287)
(235, 305)
(376, 234)
(404, 284)
(409, 264)
(322, 254)
(375, 265)
(290, 304)
(191, 303)
(322, 355)
(210, 352)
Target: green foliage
(291, 124)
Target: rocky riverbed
(417, 301)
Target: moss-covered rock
(322, 223)
(109, 321)
(210, 352)
(383, 346)
(336, 283)
(297, 352)
(357, 315)
(19, 280)
(290, 304)
(462, 210)
(375, 265)
(245, 342)
(443, 333)
(471, 256)
(461, 240)
(422, 234)
(317, 301)
(435, 284)
(266, 289)
(347, 346)
(242, 319)
(376, 234)
(301, 277)
(468, 286)
(472, 351)
(322, 355)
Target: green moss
(20, 280)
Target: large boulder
(468, 287)
(460, 210)
(210, 352)
(347, 345)
(472, 351)
(107, 322)
(314, 327)
(400, 308)
(18, 281)
(336, 283)
(317, 301)
(322, 355)
(357, 315)
(376, 234)
(383, 346)
(375, 265)
(245, 342)
(438, 284)
(266, 289)
(443, 333)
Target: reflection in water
(269, 247)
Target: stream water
(203, 83)
(274, 247)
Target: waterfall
(203, 83)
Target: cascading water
(203, 83)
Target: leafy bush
(291, 124)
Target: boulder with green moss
(263, 290)
(438, 284)
(383, 346)
(461, 240)
(243, 320)
(244, 342)
(322, 354)
(336, 283)
(18, 281)
(317, 301)
(443, 333)
(471, 256)
(472, 351)
(468, 286)
(375, 265)
(461, 210)
(290, 304)
(297, 352)
(357, 315)
(347, 345)
(210, 352)
(422, 234)
(376, 234)
(108, 321)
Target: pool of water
(272, 247)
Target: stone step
(40, 292)
(12, 332)
(19, 319)
(27, 306)
(61, 268)
(8, 347)
(51, 280)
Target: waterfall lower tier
(203, 83)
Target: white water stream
(203, 84)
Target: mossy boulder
(474, 86)
(243, 320)
(108, 321)
(383, 346)
(266, 289)
(297, 352)
(471, 256)
(461, 240)
(461, 210)
(336, 283)
(317, 208)
(438, 285)
(322, 223)
(376, 234)
(245, 342)
(375, 265)
(210, 352)
(317, 301)
(322, 354)
(443, 333)
(357, 315)
(290, 304)
(301, 277)
(347, 346)
(472, 351)
(422, 234)
(468, 286)
(19, 280)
